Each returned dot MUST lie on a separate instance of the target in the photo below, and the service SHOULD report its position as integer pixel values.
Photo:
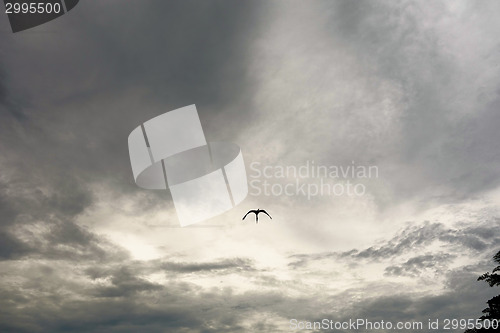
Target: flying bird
(256, 212)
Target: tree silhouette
(493, 309)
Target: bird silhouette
(256, 212)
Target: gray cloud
(53, 158)
(416, 237)
(43, 225)
(414, 266)
(237, 264)
(389, 84)
(125, 283)
(452, 143)
(118, 296)
(127, 302)
(11, 247)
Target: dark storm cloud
(87, 79)
(182, 53)
(463, 294)
(180, 307)
(410, 238)
(119, 297)
(110, 69)
(127, 303)
(125, 283)
(236, 264)
(174, 268)
(415, 265)
(67, 240)
(41, 223)
(58, 244)
(71, 198)
(96, 77)
(11, 247)
(415, 237)
(7, 104)
(445, 142)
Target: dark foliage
(493, 309)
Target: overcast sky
(411, 88)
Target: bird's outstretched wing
(250, 211)
(263, 211)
